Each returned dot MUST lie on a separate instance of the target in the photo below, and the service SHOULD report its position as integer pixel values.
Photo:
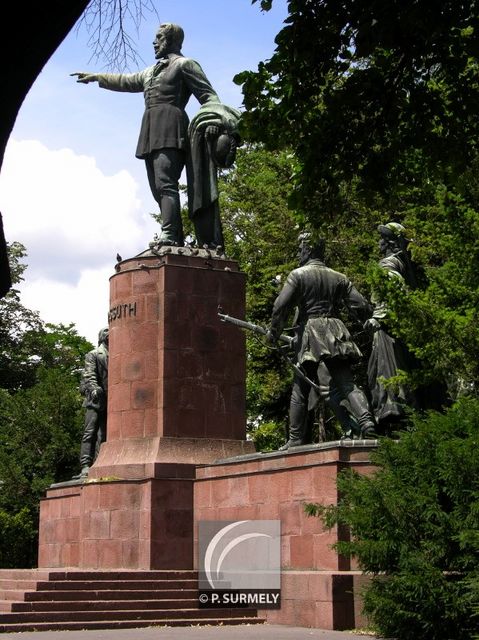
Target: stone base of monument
(176, 398)
(123, 524)
(319, 588)
(139, 458)
(177, 453)
(153, 524)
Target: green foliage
(19, 539)
(261, 234)
(40, 433)
(17, 327)
(260, 230)
(387, 95)
(381, 117)
(41, 418)
(267, 437)
(439, 319)
(414, 526)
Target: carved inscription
(127, 310)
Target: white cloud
(67, 213)
(73, 220)
(85, 304)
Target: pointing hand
(85, 77)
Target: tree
(17, 325)
(381, 116)
(261, 233)
(41, 424)
(41, 417)
(387, 95)
(40, 435)
(106, 22)
(414, 527)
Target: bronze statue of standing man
(325, 349)
(94, 387)
(389, 354)
(164, 141)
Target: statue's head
(103, 336)
(393, 237)
(310, 247)
(169, 39)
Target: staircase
(50, 600)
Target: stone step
(122, 574)
(33, 617)
(18, 585)
(25, 579)
(107, 584)
(99, 605)
(110, 594)
(12, 594)
(37, 600)
(125, 624)
(24, 574)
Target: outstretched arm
(85, 77)
(132, 82)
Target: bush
(415, 527)
(268, 436)
(19, 536)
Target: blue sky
(71, 189)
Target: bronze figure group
(325, 350)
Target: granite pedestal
(176, 398)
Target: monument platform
(319, 587)
(176, 398)
(177, 451)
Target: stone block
(130, 551)
(110, 554)
(144, 337)
(132, 367)
(118, 398)
(133, 424)
(143, 395)
(301, 551)
(142, 281)
(124, 524)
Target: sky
(71, 189)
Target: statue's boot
(362, 413)
(342, 413)
(367, 426)
(297, 426)
(171, 223)
(83, 474)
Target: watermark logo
(239, 564)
